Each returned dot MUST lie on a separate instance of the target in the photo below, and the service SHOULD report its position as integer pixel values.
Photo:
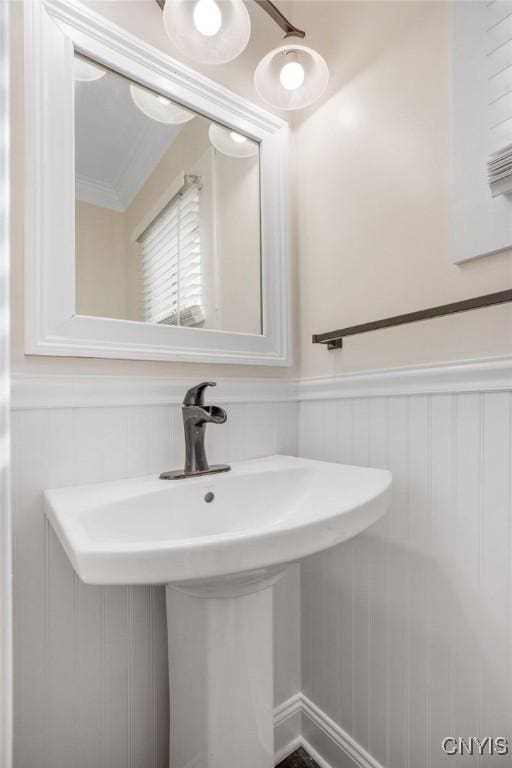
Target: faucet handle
(195, 395)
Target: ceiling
(116, 145)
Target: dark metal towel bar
(334, 339)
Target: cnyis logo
(457, 746)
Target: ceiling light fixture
(208, 31)
(217, 31)
(231, 143)
(159, 107)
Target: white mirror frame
(53, 30)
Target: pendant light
(291, 77)
(217, 31)
(158, 107)
(208, 31)
(232, 143)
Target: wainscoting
(406, 629)
(91, 683)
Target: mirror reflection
(167, 210)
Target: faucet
(196, 415)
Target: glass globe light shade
(159, 108)
(86, 71)
(291, 77)
(208, 31)
(232, 143)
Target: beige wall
(101, 288)
(237, 195)
(373, 193)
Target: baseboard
(299, 722)
(287, 727)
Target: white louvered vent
(171, 263)
(498, 21)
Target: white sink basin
(219, 560)
(265, 512)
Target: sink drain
(209, 497)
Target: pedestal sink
(218, 543)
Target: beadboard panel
(406, 629)
(91, 679)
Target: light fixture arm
(280, 19)
(275, 14)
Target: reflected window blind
(171, 263)
(498, 44)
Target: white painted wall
(90, 672)
(406, 628)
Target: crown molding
(97, 193)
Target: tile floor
(299, 759)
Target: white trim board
(61, 391)
(31, 391)
(323, 739)
(479, 375)
(6, 673)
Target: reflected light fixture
(208, 31)
(158, 107)
(217, 31)
(231, 143)
(85, 71)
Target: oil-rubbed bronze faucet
(196, 415)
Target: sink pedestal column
(221, 675)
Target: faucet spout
(196, 415)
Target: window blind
(171, 263)
(498, 44)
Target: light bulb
(237, 137)
(292, 75)
(207, 17)
(163, 100)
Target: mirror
(167, 210)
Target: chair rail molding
(53, 30)
(462, 376)
(31, 391)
